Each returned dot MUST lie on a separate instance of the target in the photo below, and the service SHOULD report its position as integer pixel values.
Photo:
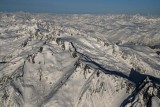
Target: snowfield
(79, 60)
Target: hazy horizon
(145, 7)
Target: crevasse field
(79, 60)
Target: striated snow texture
(79, 60)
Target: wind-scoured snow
(79, 60)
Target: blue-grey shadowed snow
(83, 6)
(134, 77)
(139, 79)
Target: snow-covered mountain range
(49, 60)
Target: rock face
(79, 60)
(146, 94)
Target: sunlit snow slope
(79, 60)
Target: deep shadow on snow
(134, 77)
